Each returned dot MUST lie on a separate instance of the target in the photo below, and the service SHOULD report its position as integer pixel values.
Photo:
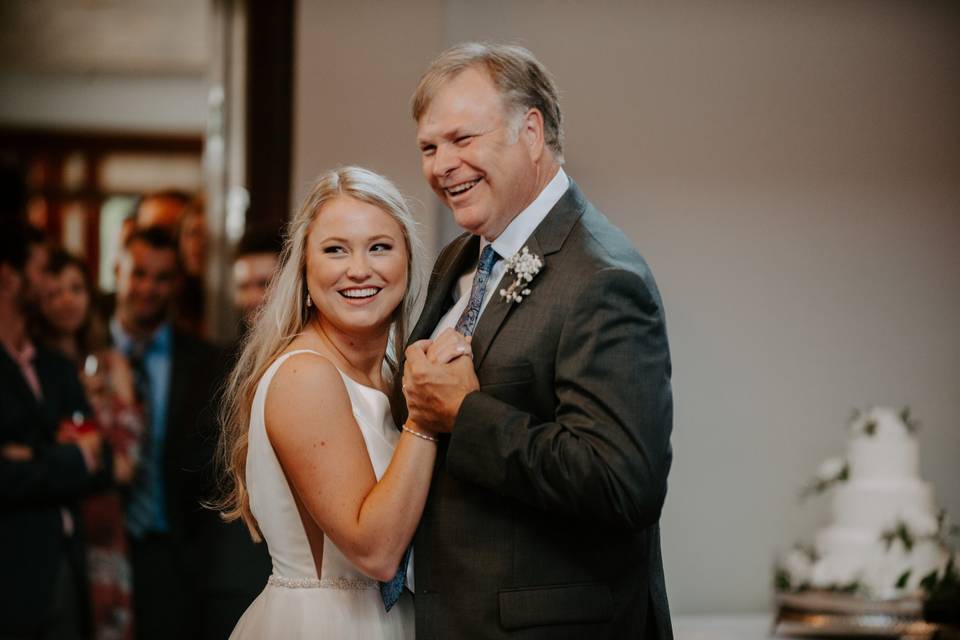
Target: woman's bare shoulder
(306, 385)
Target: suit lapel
(462, 256)
(546, 240)
(22, 394)
(180, 375)
(15, 376)
(51, 389)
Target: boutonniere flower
(523, 265)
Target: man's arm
(606, 455)
(53, 474)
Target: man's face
(251, 276)
(475, 157)
(160, 211)
(146, 283)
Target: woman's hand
(449, 346)
(120, 377)
(97, 391)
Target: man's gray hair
(523, 82)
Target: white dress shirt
(507, 243)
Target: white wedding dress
(297, 603)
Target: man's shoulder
(601, 243)
(594, 246)
(189, 347)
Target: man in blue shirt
(175, 376)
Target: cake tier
(878, 505)
(852, 555)
(893, 457)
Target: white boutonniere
(523, 265)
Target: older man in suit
(542, 520)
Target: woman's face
(67, 300)
(356, 265)
(193, 243)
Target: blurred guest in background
(254, 264)
(42, 594)
(175, 375)
(70, 326)
(38, 252)
(192, 239)
(238, 568)
(190, 305)
(162, 209)
(106, 301)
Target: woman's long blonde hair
(284, 315)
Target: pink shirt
(24, 359)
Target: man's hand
(435, 388)
(17, 452)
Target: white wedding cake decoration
(886, 538)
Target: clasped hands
(437, 376)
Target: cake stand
(827, 613)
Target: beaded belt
(341, 583)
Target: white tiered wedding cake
(886, 535)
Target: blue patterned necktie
(390, 591)
(467, 323)
(141, 501)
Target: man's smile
(461, 188)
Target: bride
(314, 464)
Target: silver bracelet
(422, 436)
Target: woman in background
(192, 240)
(70, 325)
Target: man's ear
(531, 130)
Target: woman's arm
(310, 424)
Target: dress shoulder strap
(296, 351)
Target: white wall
(792, 173)
(356, 64)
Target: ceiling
(104, 36)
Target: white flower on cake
(796, 566)
(833, 573)
(829, 473)
(883, 422)
(524, 266)
(831, 469)
(921, 524)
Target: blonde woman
(316, 466)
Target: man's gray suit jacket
(542, 518)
